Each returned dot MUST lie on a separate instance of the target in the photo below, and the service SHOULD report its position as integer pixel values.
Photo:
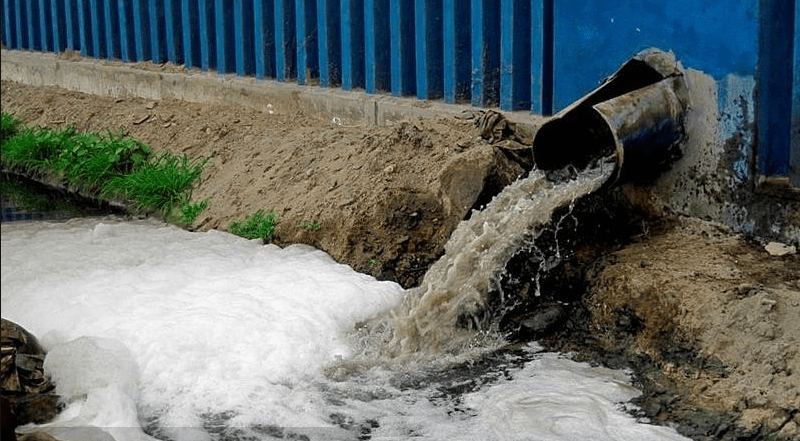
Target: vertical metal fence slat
(172, 30)
(376, 39)
(97, 29)
(127, 44)
(286, 55)
(330, 45)
(70, 20)
(84, 24)
(59, 25)
(45, 26)
(32, 22)
(401, 36)
(8, 34)
(208, 46)
(456, 50)
(158, 46)
(141, 31)
(305, 25)
(223, 19)
(112, 30)
(190, 33)
(19, 21)
(428, 48)
(536, 56)
(485, 73)
(264, 38)
(353, 41)
(243, 35)
(515, 55)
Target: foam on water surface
(196, 336)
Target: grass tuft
(259, 225)
(108, 163)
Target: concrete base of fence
(156, 82)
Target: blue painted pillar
(111, 27)
(306, 27)
(377, 75)
(45, 25)
(127, 42)
(85, 25)
(243, 35)
(401, 47)
(190, 27)
(208, 44)
(515, 55)
(223, 25)
(172, 31)
(285, 41)
(456, 47)
(330, 46)
(264, 38)
(428, 43)
(485, 40)
(155, 17)
(353, 40)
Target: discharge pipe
(636, 115)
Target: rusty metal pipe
(636, 115)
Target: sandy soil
(709, 319)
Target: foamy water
(193, 336)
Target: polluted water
(154, 332)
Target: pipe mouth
(577, 139)
(636, 114)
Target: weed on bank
(108, 164)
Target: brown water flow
(429, 322)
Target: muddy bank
(706, 318)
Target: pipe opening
(636, 114)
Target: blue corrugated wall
(536, 55)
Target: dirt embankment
(709, 319)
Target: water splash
(430, 319)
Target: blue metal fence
(423, 48)
(536, 55)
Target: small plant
(373, 262)
(162, 184)
(311, 226)
(259, 225)
(190, 211)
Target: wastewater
(155, 332)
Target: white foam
(197, 334)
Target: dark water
(24, 200)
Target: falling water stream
(154, 332)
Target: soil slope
(709, 319)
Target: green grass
(110, 164)
(10, 125)
(259, 225)
(310, 226)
